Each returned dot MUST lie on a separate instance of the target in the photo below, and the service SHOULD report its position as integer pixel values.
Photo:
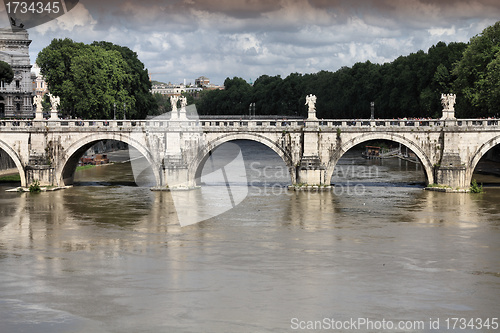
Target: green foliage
(85, 167)
(410, 86)
(6, 73)
(35, 187)
(478, 78)
(46, 105)
(139, 86)
(234, 99)
(475, 188)
(92, 79)
(162, 102)
(10, 178)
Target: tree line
(103, 80)
(410, 86)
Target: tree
(233, 100)
(477, 77)
(92, 79)
(100, 80)
(140, 85)
(265, 94)
(6, 73)
(163, 104)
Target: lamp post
(124, 111)
(114, 111)
(372, 107)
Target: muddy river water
(107, 256)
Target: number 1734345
(33, 7)
(472, 323)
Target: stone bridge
(49, 150)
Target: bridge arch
(483, 150)
(197, 165)
(363, 137)
(15, 157)
(66, 168)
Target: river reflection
(114, 258)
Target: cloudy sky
(184, 39)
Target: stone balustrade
(248, 123)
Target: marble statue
(448, 101)
(54, 101)
(37, 100)
(183, 102)
(173, 102)
(311, 102)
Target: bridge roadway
(49, 150)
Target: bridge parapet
(227, 123)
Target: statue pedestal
(311, 114)
(182, 114)
(38, 115)
(53, 115)
(448, 115)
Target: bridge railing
(477, 122)
(409, 122)
(222, 123)
(16, 123)
(391, 123)
(381, 122)
(74, 123)
(260, 123)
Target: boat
(98, 159)
(371, 152)
(374, 152)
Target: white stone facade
(16, 97)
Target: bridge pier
(451, 172)
(311, 172)
(453, 177)
(177, 177)
(44, 174)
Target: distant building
(40, 87)
(167, 89)
(16, 98)
(202, 81)
(173, 89)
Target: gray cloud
(248, 38)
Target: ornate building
(16, 98)
(39, 85)
(202, 81)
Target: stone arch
(66, 168)
(363, 137)
(17, 160)
(197, 165)
(483, 150)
